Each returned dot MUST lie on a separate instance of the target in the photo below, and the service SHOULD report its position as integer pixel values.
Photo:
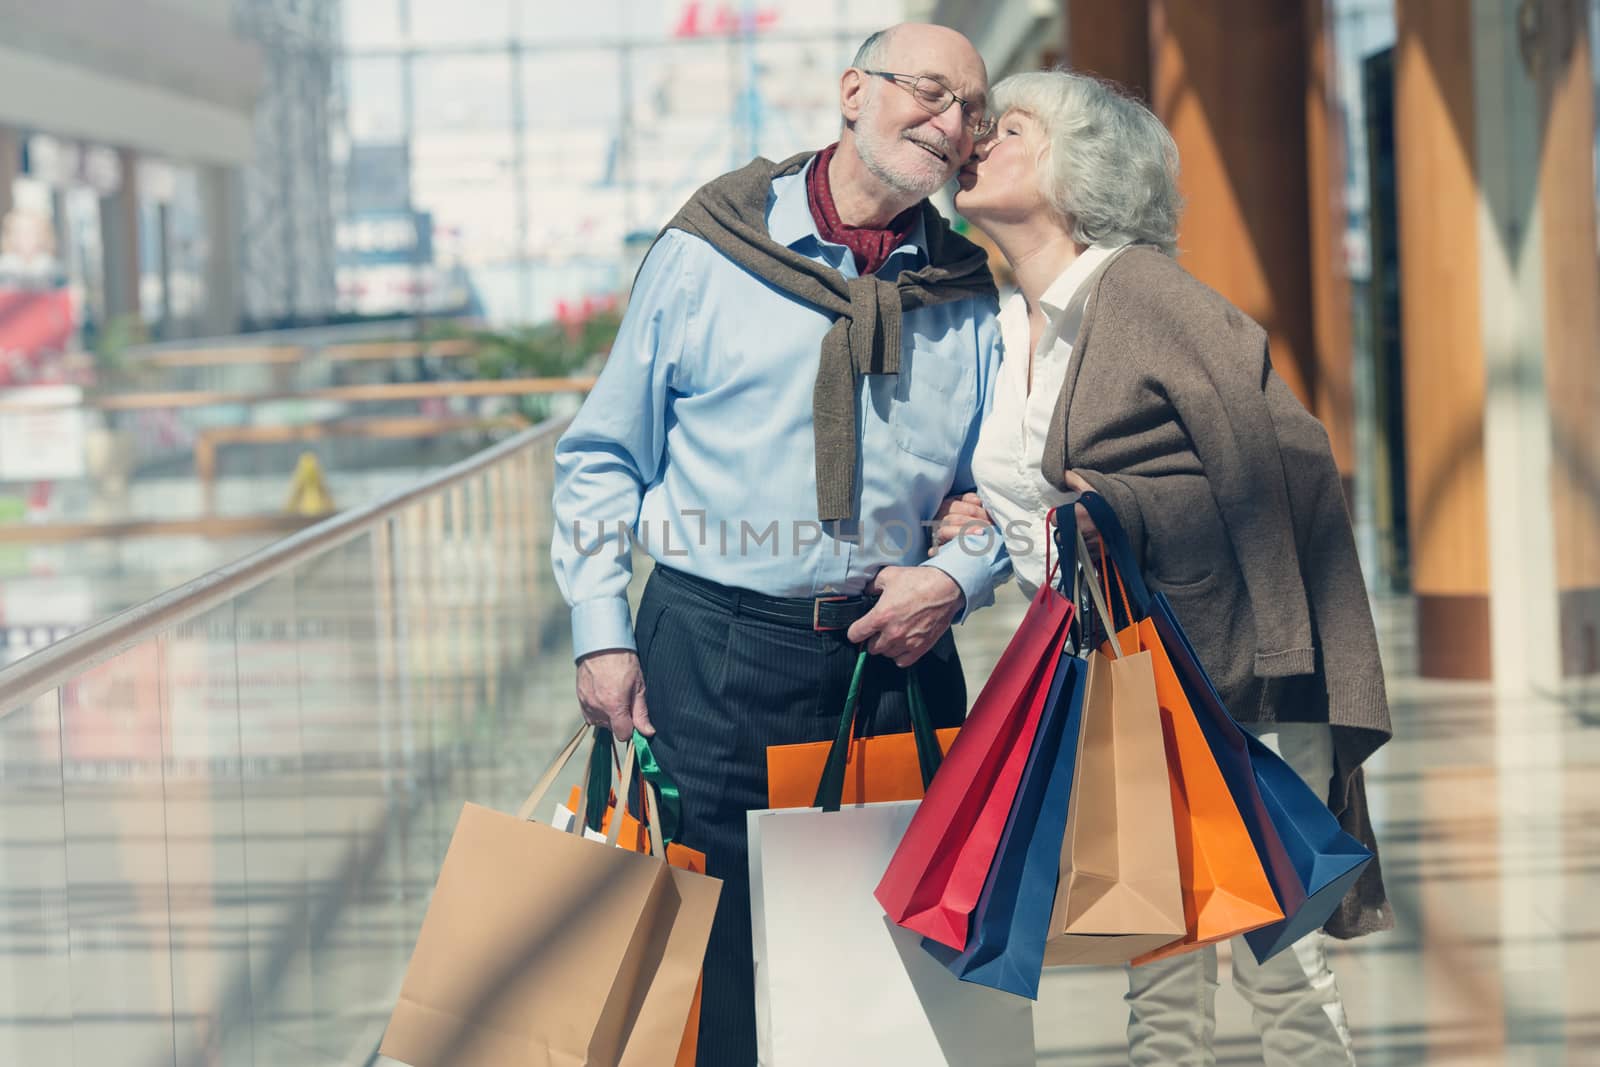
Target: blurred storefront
(123, 127)
(1404, 193)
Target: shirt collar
(789, 220)
(1064, 289)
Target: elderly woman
(1125, 375)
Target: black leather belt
(821, 614)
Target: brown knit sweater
(1228, 489)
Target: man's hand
(611, 693)
(959, 515)
(914, 609)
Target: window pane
(540, 22)
(572, 89)
(376, 106)
(372, 24)
(449, 22)
(462, 93)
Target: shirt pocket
(933, 399)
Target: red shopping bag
(937, 873)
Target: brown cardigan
(1228, 490)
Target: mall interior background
(294, 295)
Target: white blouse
(1011, 440)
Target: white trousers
(1297, 1009)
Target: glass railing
(223, 810)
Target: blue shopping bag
(1005, 945)
(1327, 860)
(1310, 862)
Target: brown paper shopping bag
(635, 838)
(1118, 894)
(543, 948)
(700, 899)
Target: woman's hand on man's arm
(959, 515)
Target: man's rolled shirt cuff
(972, 566)
(601, 625)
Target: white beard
(916, 179)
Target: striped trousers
(721, 687)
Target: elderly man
(799, 381)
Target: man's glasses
(935, 98)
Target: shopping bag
(1225, 886)
(636, 837)
(1006, 946)
(1118, 892)
(838, 983)
(882, 768)
(935, 877)
(1310, 861)
(1327, 861)
(824, 861)
(1227, 741)
(542, 947)
(1313, 861)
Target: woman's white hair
(1108, 167)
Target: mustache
(938, 142)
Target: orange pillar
(1249, 92)
(1572, 323)
(1442, 336)
(1110, 40)
(1229, 83)
(1332, 357)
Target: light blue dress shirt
(697, 444)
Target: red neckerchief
(872, 247)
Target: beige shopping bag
(543, 949)
(1118, 895)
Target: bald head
(917, 47)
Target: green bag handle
(597, 789)
(666, 790)
(830, 790)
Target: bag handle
(1078, 629)
(659, 792)
(597, 787)
(666, 805)
(614, 834)
(542, 787)
(652, 803)
(1099, 600)
(653, 779)
(830, 788)
(1049, 541)
(1115, 540)
(1107, 572)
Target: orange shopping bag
(877, 769)
(635, 836)
(1225, 887)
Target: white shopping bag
(836, 982)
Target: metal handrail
(201, 398)
(29, 677)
